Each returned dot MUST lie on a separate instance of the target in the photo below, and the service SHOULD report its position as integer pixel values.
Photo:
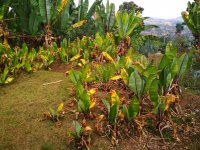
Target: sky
(165, 9)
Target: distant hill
(166, 27)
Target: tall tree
(130, 6)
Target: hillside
(166, 27)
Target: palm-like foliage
(192, 20)
(105, 17)
(127, 25)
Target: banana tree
(192, 20)
(27, 16)
(50, 15)
(105, 17)
(127, 24)
(84, 12)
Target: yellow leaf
(95, 65)
(63, 4)
(87, 130)
(83, 61)
(75, 57)
(88, 74)
(128, 61)
(141, 65)
(107, 56)
(60, 107)
(114, 98)
(170, 98)
(124, 75)
(80, 23)
(80, 65)
(9, 79)
(116, 78)
(91, 91)
(121, 115)
(92, 104)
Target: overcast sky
(165, 9)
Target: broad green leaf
(107, 104)
(153, 91)
(190, 57)
(78, 128)
(113, 113)
(126, 113)
(81, 106)
(174, 67)
(85, 98)
(169, 79)
(4, 75)
(28, 66)
(164, 62)
(110, 16)
(148, 82)
(134, 107)
(75, 77)
(139, 67)
(170, 51)
(143, 61)
(79, 90)
(34, 21)
(163, 76)
(98, 40)
(150, 70)
(182, 64)
(136, 84)
(52, 112)
(45, 7)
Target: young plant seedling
(81, 136)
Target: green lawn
(22, 105)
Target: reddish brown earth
(188, 129)
(60, 67)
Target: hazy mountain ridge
(166, 27)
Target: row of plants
(88, 46)
(15, 60)
(152, 89)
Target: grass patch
(22, 104)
